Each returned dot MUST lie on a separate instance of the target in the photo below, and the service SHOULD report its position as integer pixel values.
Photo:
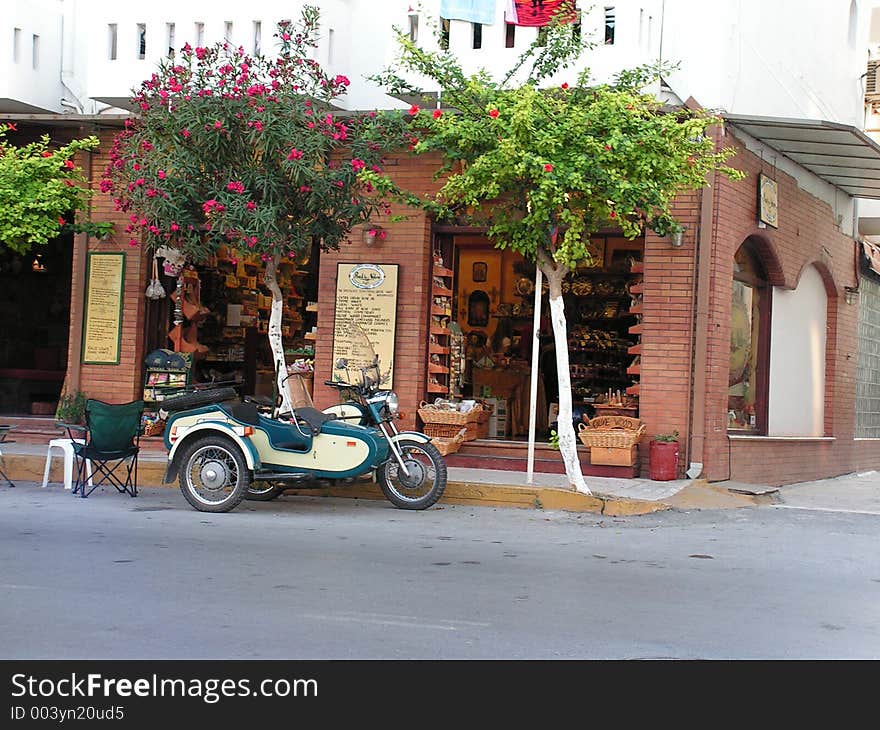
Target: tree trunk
(275, 343)
(565, 429)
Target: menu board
(102, 325)
(366, 318)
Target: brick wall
(807, 235)
(112, 383)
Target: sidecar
(218, 448)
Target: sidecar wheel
(263, 491)
(213, 474)
(426, 480)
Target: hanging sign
(366, 317)
(102, 318)
(768, 201)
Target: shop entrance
(492, 314)
(35, 316)
(216, 315)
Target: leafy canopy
(38, 186)
(527, 161)
(233, 148)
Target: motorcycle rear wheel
(426, 481)
(264, 491)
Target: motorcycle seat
(314, 418)
(244, 412)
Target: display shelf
(440, 348)
(439, 291)
(636, 329)
(437, 388)
(634, 370)
(442, 271)
(434, 348)
(638, 267)
(633, 390)
(635, 349)
(636, 309)
(441, 311)
(310, 336)
(438, 330)
(434, 369)
(637, 289)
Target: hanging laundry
(539, 12)
(473, 11)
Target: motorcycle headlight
(392, 402)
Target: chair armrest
(72, 427)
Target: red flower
(68, 164)
(357, 164)
(235, 186)
(608, 148)
(185, 133)
(251, 205)
(494, 113)
(564, 85)
(548, 167)
(413, 110)
(612, 214)
(295, 154)
(61, 221)
(45, 153)
(437, 114)
(218, 124)
(11, 127)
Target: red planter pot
(663, 457)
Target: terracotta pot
(663, 457)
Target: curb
(29, 468)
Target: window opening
(142, 41)
(509, 35)
(610, 22)
(478, 35)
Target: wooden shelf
(440, 311)
(634, 370)
(441, 331)
(637, 288)
(310, 336)
(312, 308)
(635, 349)
(636, 309)
(434, 368)
(439, 349)
(637, 268)
(633, 390)
(437, 388)
(636, 329)
(439, 291)
(443, 271)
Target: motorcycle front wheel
(213, 474)
(426, 479)
(264, 491)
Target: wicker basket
(155, 428)
(616, 432)
(442, 416)
(448, 446)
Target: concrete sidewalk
(25, 461)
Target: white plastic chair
(66, 446)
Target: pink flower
(437, 114)
(218, 124)
(339, 183)
(357, 164)
(251, 205)
(133, 242)
(235, 186)
(161, 174)
(295, 154)
(305, 189)
(413, 110)
(140, 181)
(548, 167)
(286, 36)
(185, 133)
(341, 80)
(175, 227)
(494, 113)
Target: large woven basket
(442, 416)
(449, 445)
(616, 432)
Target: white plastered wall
(797, 358)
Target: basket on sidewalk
(448, 446)
(444, 423)
(614, 432)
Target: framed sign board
(768, 201)
(102, 316)
(366, 317)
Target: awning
(839, 154)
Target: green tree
(246, 151)
(543, 168)
(38, 186)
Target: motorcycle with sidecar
(223, 448)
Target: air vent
(872, 87)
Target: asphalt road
(308, 578)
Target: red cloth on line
(541, 12)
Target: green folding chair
(112, 444)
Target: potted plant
(663, 456)
(72, 408)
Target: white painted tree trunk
(275, 342)
(565, 429)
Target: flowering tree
(244, 150)
(542, 169)
(38, 186)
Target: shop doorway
(35, 316)
(492, 312)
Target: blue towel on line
(473, 11)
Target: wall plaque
(102, 316)
(767, 201)
(366, 317)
